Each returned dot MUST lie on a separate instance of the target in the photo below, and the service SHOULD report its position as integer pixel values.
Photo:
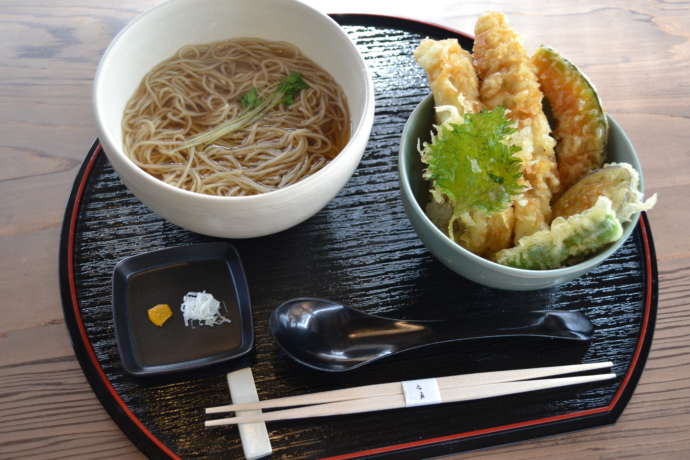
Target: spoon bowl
(328, 336)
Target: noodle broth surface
(201, 87)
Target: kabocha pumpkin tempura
(496, 167)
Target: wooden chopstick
(397, 401)
(394, 388)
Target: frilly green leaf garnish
(473, 165)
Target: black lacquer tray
(360, 250)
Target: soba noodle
(201, 87)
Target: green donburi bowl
(415, 195)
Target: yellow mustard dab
(159, 314)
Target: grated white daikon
(201, 307)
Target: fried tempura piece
(451, 76)
(496, 234)
(475, 231)
(454, 84)
(581, 126)
(507, 78)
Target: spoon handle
(556, 324)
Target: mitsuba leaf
(290, 86)
(250, 99)
(254, 109)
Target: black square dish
(164, 277)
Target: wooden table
(637, 52)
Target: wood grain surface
(638, 54)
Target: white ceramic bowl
(158, 33)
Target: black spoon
(328, 336)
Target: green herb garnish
(290, 87)
(255, 108)
(250, 99)
(472, 164)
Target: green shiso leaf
(473, 165)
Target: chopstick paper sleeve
(421, 392)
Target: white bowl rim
(518, 272)
(362, 124)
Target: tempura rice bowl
(415, 195)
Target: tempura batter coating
(455, 87)
(581, 126)
(451, 76)
(507, 78)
